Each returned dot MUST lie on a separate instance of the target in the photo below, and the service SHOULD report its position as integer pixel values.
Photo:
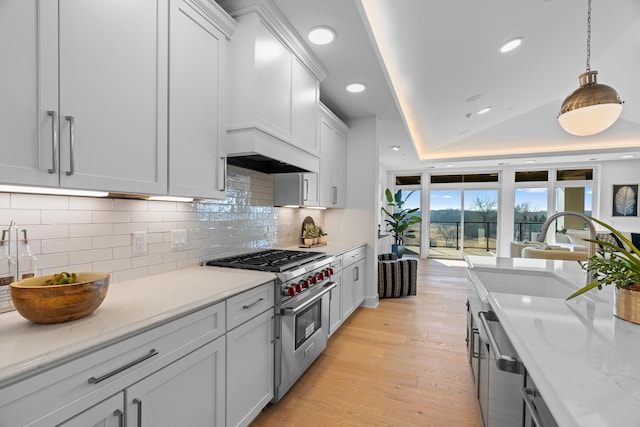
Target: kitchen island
(582, 359)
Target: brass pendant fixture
(593, 107)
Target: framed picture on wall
(625, 200)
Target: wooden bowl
(42, 303)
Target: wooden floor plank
(401, 364)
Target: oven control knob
(320, 275)
(289, 291)
(305, 283)
(313, 279)
(298, 287)
(329, 271)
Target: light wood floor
(401, 364)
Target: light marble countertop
(332, 248)
(582, 358)
(129, 307)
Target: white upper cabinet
(28, 89)
(333, 140)
(112, 95)
(84, 101)
(275, 84)
(197, 124)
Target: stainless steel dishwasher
(501, 375)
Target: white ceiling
(435, 63)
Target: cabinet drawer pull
(118, 413)
(335, 195)
(138, 402)
(72, 143)
(54, 142)
(222, 174)
(527, 394)
(253, 304)
(475, 354)
(94, 380)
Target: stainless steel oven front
(303, 330)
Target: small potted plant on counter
(321, 236)
(615, 265)
(310, 234)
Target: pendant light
(593, 107)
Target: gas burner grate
(272, 260)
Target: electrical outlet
(178, 239)
(139, 243)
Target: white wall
(359, 221)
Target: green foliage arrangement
(311, 231)
(613, 265)
(400, 219)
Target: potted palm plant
(614, 265)
(400, 219)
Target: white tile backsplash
(94, 234)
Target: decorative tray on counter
(312, 246)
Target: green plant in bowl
(613, 265)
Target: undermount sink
(532, 283)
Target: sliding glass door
(463, 222)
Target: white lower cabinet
(353, 278)
(250, 354)
(335, 301)
(188, 393)
(174, 371)
(108, 413)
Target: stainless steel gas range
(302, 307)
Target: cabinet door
(196, 130)
(348, 285)
(108, 413)
(250, 363)
(113, 95)
(335, 297)
(304, 105)
(28, 90)
(332, 163)
(338, 169)
(188, 392)
(358, 283)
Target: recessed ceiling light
(627, 156)
(356, 87)
(395, 148)
(484, 110)
(321, 35)
(511, 45)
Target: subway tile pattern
(94, 234)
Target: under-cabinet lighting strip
(53, 191)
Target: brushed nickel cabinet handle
(335, 195)
(527, 394)
(253, 304)
(118, 413)
(94, 380)
(54, 142)
(223, 177)
(138, 402)
(72, 140)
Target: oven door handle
(292, 311)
